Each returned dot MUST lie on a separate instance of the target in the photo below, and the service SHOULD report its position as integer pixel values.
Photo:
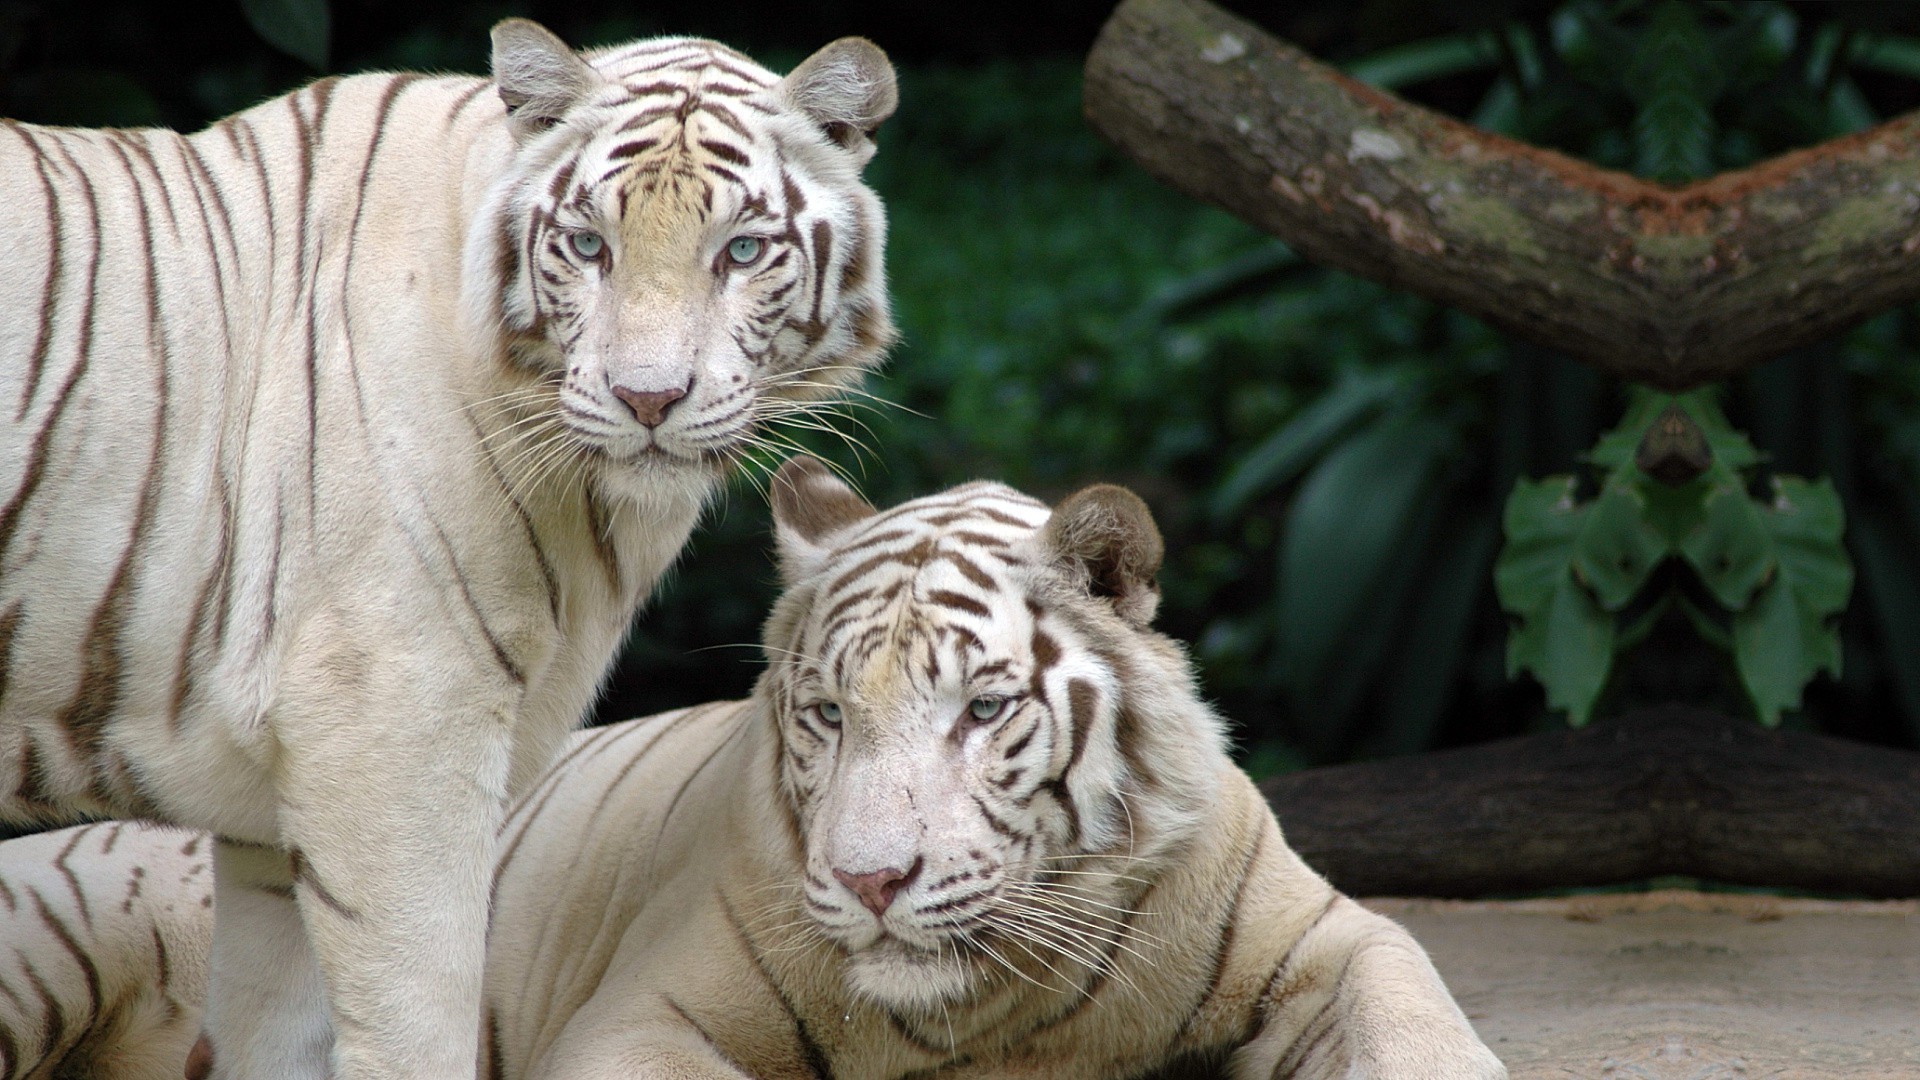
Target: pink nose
(649, 406)
(877, 889)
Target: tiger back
(343, 440)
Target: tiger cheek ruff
(345, 437)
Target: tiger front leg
(1360, 1000)
(390, 819)
(267, 1008)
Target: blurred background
(1327, 458)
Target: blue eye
(829, 713)
(745, 250)
(985, 710)
(587, 245)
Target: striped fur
(1100, 894)
(343, 440)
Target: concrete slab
(1677, 985)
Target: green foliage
(1776, 571)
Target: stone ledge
(1678, 985)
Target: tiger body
(346, 437)
(1096, 891)
(1021, 849)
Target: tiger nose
(649, 406)
(877, 889)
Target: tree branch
(1673, 790)
(1675, 287)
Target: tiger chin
(974, 822)
(345, 437)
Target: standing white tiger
(344, 438)
(975, 823)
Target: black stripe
(60, 930)
(947, 598)
(98, 697)
(43, 441)
(50, 288)
(500, 655)
(304, 874)
(382, 113)
(822, 256)
(72, 880)
(9, 625)
(1225, 932)
(811, 1055)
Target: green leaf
(1617, 548)
(1568, 646)
(1359, 393)
(299, 28)
(1541, 521)
(1730, 547)
(1561, 634)
(1346, 527)
(1786, 636)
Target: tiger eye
(745, 250)
(587, 245)
(986, 709)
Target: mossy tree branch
(1671, 286)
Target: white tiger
(343, 440)
(975, 821)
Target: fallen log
(1672, 286)
(1667, 791)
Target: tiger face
(957, 748)
(683, 246)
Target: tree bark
(1670, 286)
(1673, 790)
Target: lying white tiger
(975, 821)
(344, 438)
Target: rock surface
(1677, 985)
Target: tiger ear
(810, 506)
(539, 77)
(1105, 536)
(848, 89)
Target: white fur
(318, 530)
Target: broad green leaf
(299, 28)
(1346, 526)
(1787, 636)
(1568, 645)
(1617, 548)
(1359, 393)
(1541, 521)
(1731, 548)
(1560, 633)
(1675, 512)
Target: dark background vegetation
(1327, 458)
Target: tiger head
(985, 748)
(681, 243)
